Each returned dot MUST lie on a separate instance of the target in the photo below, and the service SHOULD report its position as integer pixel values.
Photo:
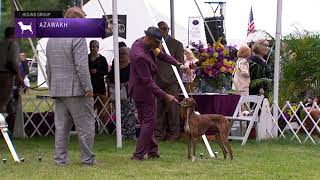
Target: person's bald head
(74, 12)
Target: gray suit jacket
(165, 75)
(67, 67)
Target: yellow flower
(223, 69)
(232, 70)
(225, 62)
(205, 63)
(210, 62)
(215, 54)
(218, 45)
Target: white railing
(39, 117)
(294, 122)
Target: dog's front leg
(193, 147)
(189, 147)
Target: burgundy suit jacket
(143, 68)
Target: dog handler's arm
(143, 72)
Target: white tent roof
(138, 20)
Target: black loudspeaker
(216, 26)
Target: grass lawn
(266, 160)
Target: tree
(300, 74)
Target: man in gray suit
(168, 122)
(70, 85)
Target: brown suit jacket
(165, 75)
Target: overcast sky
(302, 13)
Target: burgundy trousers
(147, 143)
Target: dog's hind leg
(229, 149)
(225, 142)
(224, 151)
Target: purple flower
(210, 50)
(220, 50)
(220, 57)
(218, 65)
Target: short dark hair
(94, 42)
(8, 32)
(122, 44)
(161, 22)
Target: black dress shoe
(153, 156)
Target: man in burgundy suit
(144, 91)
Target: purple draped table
(212, 103)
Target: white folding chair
(255, 103)
(4, 131)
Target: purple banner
(59, 27)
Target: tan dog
(197, 125)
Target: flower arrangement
(215, 67)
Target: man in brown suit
(168, 123)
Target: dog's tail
(231, 121)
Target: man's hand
(89, 94)
(170, 98)
(182, 66)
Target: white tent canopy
(138, 20)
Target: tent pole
(116, 71)
(173, 29)
(277, 60)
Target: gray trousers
(77, 111)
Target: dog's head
(20, 23)
(188, 102)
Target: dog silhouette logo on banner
(25, 27)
